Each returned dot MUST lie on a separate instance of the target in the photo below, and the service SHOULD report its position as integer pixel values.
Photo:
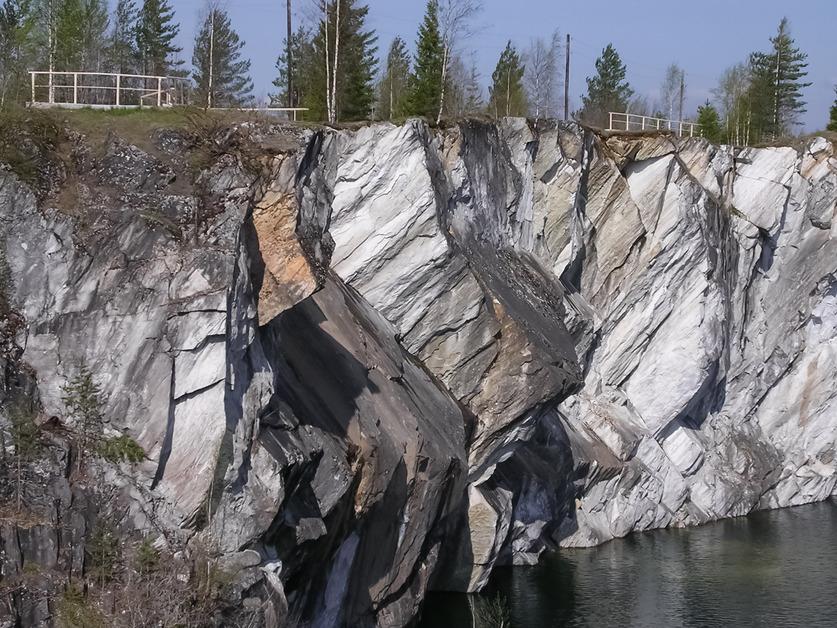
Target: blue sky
(702, 37)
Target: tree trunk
(444, 82)
(334, 68)
(211, 58)
(508, 92)
(51, 46)
(327, 63)
(391, 97)
(776, 103)
(290, 60)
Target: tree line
(330, 65)
(758, 100)
(137, 37)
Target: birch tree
(393, 86)
(672, 91)
(733, 95)
(541, 78)
(456, 18)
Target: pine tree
(506, 94)
(392, 89)
(122, 50)
(710, 123)
(221, 76)
(832, 123)
(156, 32)
(426, 88)
(608, 90)
(777, 84)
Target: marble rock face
(395, 357)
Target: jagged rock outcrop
(373, 362)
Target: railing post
(75, 88)
(159, 91)
(32, 74)
(610, 121)
(118, 86)
(643, 123)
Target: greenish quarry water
(775, 568)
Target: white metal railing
(106, 90)
(633, 122)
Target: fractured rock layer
(394, 358)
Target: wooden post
(32, 74)
(118, 86)
(567, 82)
(75, 88)
(159, 91)
(643, 123)
(610, 121)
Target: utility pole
(567, 82)
(682, 93)
(290, 60)
(211, 56)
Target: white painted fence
(634, 122)
(106, 90)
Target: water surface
(775, 568)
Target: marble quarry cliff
(370, 363)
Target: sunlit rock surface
(391, 358)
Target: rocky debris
(131, 169)
(370, 362)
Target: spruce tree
(122, 44)
(426, 88)
(83, 399)
(354, 81)
(472, 91)
(832, 123)
(156, 33)
(777, 83)
(393, 87)
(221, 76)
(358, 64)
(507, 96)
(607, 90)
(710, 123)
(305, 67)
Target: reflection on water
(776, 568)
